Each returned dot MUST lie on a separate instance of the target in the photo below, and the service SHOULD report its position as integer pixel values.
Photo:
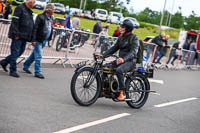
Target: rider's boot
(121, 96)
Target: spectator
(163, 49)
(173, 53)
(193, 53)
(96, 29)
(1, 7)
(106, 29)
(75, 22)
(117, 32)
(185, 47)
(92, 13)
(8, 10)
(20, 32)
(68, 20)
(159, 41)
(42, 32)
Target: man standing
(20, 32)
(75, 22)
(68, 21)
(96, 29)
(41, 34)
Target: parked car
(115, 17)
(59, 22)
(86, 14)
(101, 14)
(137, 25)
(59, 8)
(75, 11)
(40, 4)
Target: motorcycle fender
(81, 68)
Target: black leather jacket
(41, 28)
(126, 51)
(22, 23)
(158, 41)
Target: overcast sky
(157, 5)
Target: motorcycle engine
(114, 85)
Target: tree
(192, 22)
(177, 20)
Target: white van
(101, 14)
(115, 17)
(40, 4)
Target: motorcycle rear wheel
(137, 90)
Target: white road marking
(175, 102)
(156, 93)
(156, 81)
(72, 129)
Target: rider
(127, 53)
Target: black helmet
(129, 25)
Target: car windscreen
(116, 15)
(102, 12)
(60, 20)
(59, 5)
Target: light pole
(161, 20)
(80, 6)
(171, 13)
(85, 4)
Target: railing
(77, 46)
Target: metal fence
(73, 46)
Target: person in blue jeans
(20, 32)
(42, 33)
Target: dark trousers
(120, 69)
(17, 49)
(160, 54)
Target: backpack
(140, 49)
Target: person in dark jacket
(162, 51)
(20, 32)
(127, 53)
(8, 10)
(159, 41)
(173, 53)
(41, 34)
(96, 29)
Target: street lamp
(171, 13)
(161, 20)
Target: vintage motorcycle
(78, 39)
(97, 80)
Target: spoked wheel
(50, 44)
(137, 90)
(59, 44)
(85, 88)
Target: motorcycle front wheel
(85, 87)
